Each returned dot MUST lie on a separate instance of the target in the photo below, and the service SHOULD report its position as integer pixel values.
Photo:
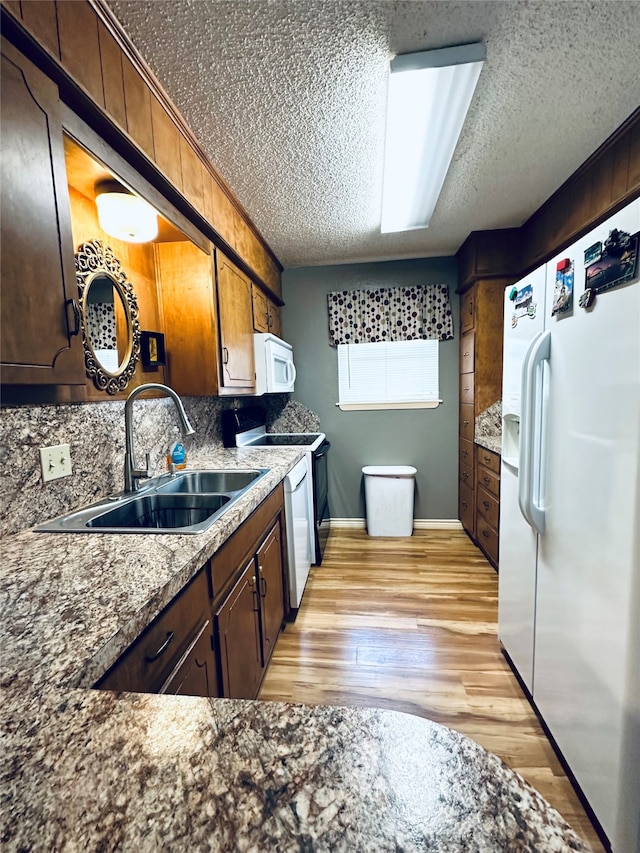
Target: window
(394, 375)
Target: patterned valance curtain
(390, 314)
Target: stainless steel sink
(199, 482)
(187, 502)
(162, 512)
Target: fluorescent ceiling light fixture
(123, 215)
(429, 96)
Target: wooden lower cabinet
(218, 634)
(238, 634)
(196, 673)
(163, 658)
(249, 622)
(487, 497)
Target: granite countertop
(92, 770)
(488, 428)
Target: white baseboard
(418, 523)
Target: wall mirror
(110, 327)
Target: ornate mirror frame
(95, 259)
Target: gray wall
(425, 438)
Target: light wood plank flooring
(411, 624)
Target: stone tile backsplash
(95, 433)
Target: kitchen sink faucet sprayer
(131, 473)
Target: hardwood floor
(411, 624)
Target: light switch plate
(55, 462)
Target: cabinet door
(38, 275)
(275, 320)
(235, 311)
(269, 559)
(260, 310)
(238, 638)
(195, 674)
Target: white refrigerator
(569, 582)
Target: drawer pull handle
(486, 480)
(465, 475)
(464, 504)
(465, 355)
(162, 649)
(486, 504)
(225, 355)
(486, 534)
(466, 423)
(487, 458)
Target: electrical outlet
(55, 462)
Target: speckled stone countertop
(89, 770)
(488, 428)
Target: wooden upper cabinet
(219, 210)
(112, 76)
(137, 99)
(235, 312)
(39, 17)
(260, 310)
(185, 277)
(38, 344)
(80, 46)
(166, 143)
(192, 175)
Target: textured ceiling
(288, 99)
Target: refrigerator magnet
(523, 304)
(593, 254)
(563, 291)
(617, 264)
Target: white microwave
(275, 371)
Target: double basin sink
(186, 502)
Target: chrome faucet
(131, 473)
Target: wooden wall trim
(115, 28)
(602, 185)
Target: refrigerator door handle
(539, 350)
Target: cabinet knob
(486, 504)
(486, 534)
(486, 480)
(466, 423)
(465, 355)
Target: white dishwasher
(298, 514)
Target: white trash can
(388, 494)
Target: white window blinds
(399, 374)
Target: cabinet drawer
(488, 506)
(466, 474)
(466, 387)
(488, 539)
(465, 453)
(466, 421)
(467, 349)
(488, 480)
(465, 507)
(146, 665)
(467, 310)
(488, 459)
